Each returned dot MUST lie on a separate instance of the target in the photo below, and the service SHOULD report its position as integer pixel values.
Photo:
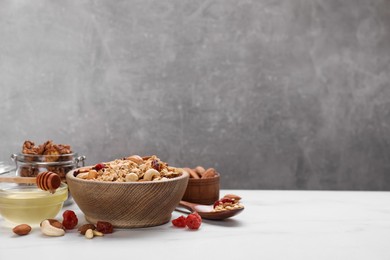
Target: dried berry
(221, 201)
(197, 215)
(99, 166)
(70, 219)
(193, 221)
(179, 222)
(104, 227)
(156, 165)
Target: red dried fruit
(99, 166)
(156, 165)
(70, 219)
(193, 221)
(221, 201)
(197, 215)
(179, 222)
(104, 227)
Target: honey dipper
(45, 180)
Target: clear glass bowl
(27, 204)
(5, 168)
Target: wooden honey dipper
(45, 180)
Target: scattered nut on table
(82, 229)
(52, 228)
(22, 229)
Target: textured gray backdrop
(274, 94)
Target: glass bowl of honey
(28, 204)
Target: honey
(30, 205)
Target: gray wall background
(274, 94)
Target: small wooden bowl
(202, 191)
(127, 204)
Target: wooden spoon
(206, 211)
(45, 180)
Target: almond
(192, 173)
(209, 173)
(200, 170)
(22, 229)
(136, 159)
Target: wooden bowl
(202, 191)
(127, 204)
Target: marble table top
(274, 225)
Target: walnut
(53, 152)
(29, 148)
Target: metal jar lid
(47, 160)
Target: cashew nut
(130, 177)
(50, 230)
(149, 174)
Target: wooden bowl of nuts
(203, 186)
(131, 192)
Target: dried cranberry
(218, 202)
(197, 215)
(70, 219)
(156, 165)
(104, 227)
(221, 201)
(227, 200)
(179, 222)
(193, 221)
(99, 166)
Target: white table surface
(274, 225)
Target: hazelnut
(82, 229)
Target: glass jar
(29, 165)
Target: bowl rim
(70, 175)
(32, 187)
(217, 175)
